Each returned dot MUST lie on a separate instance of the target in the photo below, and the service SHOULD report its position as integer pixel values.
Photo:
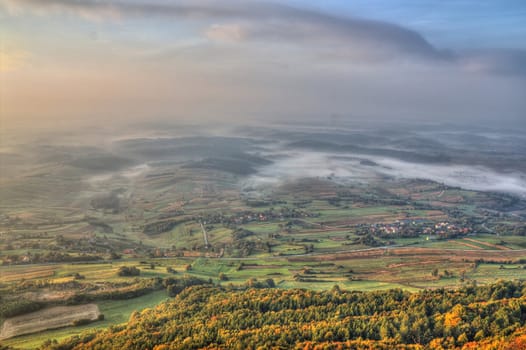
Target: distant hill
(409, 156)
(238, 163)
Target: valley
(153, 229)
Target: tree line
(213, 317)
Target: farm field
(127, 240)
(115, 312)
(49, 318)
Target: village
(416, 228)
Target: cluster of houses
(247, 216)
(415, 228)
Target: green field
(115, 312)
(307, 233)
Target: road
(205, 235)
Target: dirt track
(451, 254)
(494, 246)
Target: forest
(264, 174)
(216, 317)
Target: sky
(88, 61)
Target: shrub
(128, 271)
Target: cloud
(499, 61)
(225, 33)
(465, 176)
(92, 10)
(12, 60)
(306, 164)
(177, 58)
(257, 21)
(332, 37)
(124, 8)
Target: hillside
(492, 317)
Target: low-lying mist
(263, 157)
(364, 169)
